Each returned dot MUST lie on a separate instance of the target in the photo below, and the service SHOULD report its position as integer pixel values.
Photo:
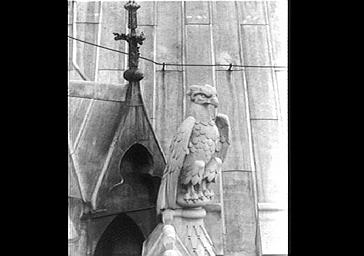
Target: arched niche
(122, 237)
(137, 159)
(130, 186)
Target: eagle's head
(203, 95)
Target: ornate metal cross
(133, 73)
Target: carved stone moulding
(181, 233)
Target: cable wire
(179, 64)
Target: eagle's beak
(214, 101)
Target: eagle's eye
(201, 95)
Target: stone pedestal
(181, 233)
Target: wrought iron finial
(133, 73)
(132, 8)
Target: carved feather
(223, 124)
(177, 153)
(179, 145)
(192, 171)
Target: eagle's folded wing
(177, 153)
(223, 124)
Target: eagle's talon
(194, 197)
(209, 194)
(200, 195)
(187, 197)
(206, 192)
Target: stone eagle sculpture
(196, 153)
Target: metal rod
(179, 64)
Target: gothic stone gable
(102, 130)
(134, 165)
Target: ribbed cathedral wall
(255, 99)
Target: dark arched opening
(138, 159)
(121, 238)
(135, 167)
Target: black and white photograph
(178, 128)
